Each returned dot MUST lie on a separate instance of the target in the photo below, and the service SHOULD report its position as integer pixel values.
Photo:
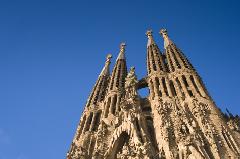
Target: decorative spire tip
(109, 56)
(105, 70)
(150, 37)
(163, 31)
(122, 50)
(166, 39)
(123, 45)
(149, 32)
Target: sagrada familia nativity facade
(178, 120)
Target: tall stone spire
(155, 60)
(188, 81)
(91, 116)
(119, 71)
(122, 51)
(167, 40)
(98, 91)
(150, 38)
(116, 84)
(175, 58)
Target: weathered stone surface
(178, 120)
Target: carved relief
(179, 119)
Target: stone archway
(118, 144)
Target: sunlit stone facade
(177, 120)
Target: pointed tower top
(109, 56)
(105, 70)
(150, 37)
(167, 40)
(122, 51)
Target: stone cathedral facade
(177, 120)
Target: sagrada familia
(178, 120)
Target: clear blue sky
(51, 53)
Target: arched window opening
(187, 86)
(118, 145)
(107, 107)
(195, 85)
(185, 81)
(175, 58)
(114, 103)
(98, 92)
(158, 87)
(112, 80)
(151, 89)
(157, 57)
(164, 86)
(170, 63)
(153, 61)
(118, 77)
(96, 121)
(183, 58)
(122, 74)
(103, 91)
(180, 86)
(172, 88)
(89, 120)
(148, 63)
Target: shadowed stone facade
(177, 120)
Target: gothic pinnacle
(166, 39)
(150, 38)
(105, 70)
(122, 51)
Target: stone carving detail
(78, 152)
(178, 120)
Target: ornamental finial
(163, 32)
(122, 45)
(149, 32)
(166, 39)
(150, 37)
(122, 51)
(109, 56)
(105, 70)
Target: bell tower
(177, 120)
